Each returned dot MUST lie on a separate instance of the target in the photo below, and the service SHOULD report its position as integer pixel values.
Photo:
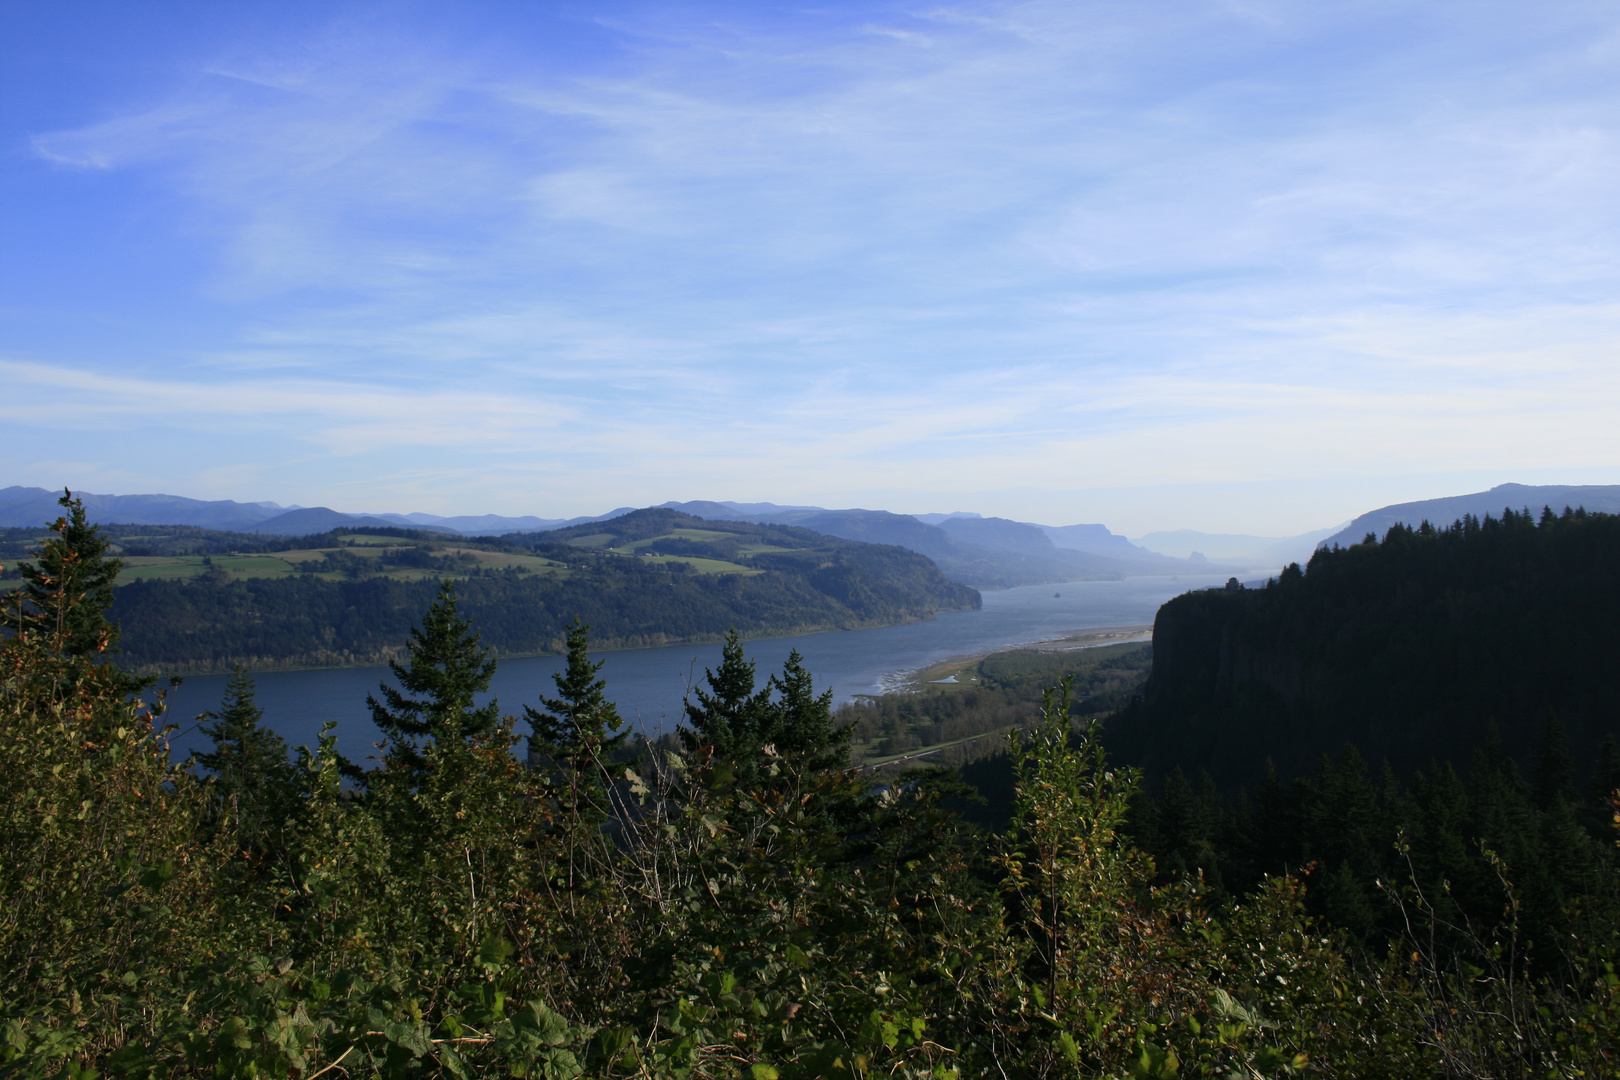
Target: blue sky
(1241, 266)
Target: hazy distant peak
(308, 521)
(1097, 539)
(704, 508)
(31, 506)
(764, 507)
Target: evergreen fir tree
(446, 672)
(1143, 825)
(1276, 824)
(1339, 895)
(1568, 867)
(252, 777)
(70, 586)
(1503, 819)
(729, 715)
(800, 723)
(1234, 842)
(1339, 815)
(1555, 771)
(1393, 807)
(1184, 830)
(581, 730)
(1441, 846)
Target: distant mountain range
(985, 552)
(25, 507)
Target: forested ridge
(206, 625)
(538, 896)
(648, 578)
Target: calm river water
(648, 684)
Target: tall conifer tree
(1555, 771)
(249, 761)
(70, 586)
(446, 672)
(800, 722)
(728, 716)
(580, 724)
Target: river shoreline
(383, 658)
(940, 671)
(649, 685)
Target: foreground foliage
(739, 908)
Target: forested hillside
(1497, 848)
(649, 578)
(1411, 649)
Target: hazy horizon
(1245, 268)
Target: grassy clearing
(702, 536)
(594, 540)
(180, 567)
(646, 550)
(707, 536)
(507, 558)
(313, 555)
(163, 567)
(253, 566)
(702, 566)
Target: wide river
(648, 684)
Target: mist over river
(648, 684)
